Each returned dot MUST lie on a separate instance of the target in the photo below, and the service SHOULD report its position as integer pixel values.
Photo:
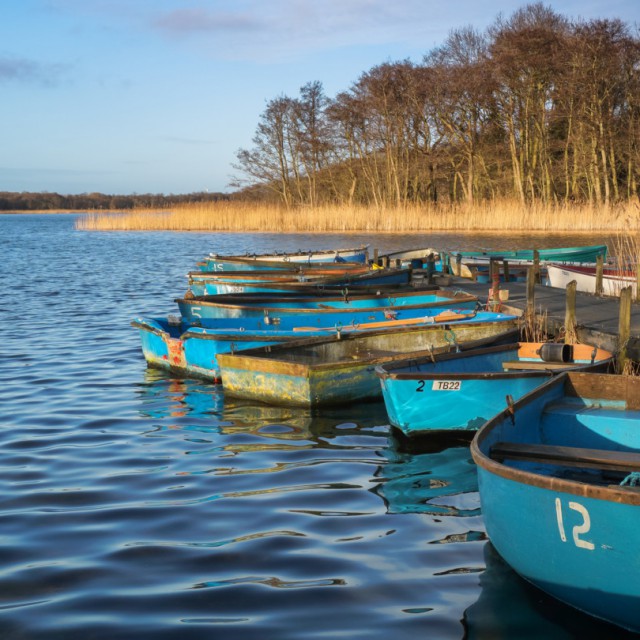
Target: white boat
(613, 280)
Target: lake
(134, 504)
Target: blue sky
(156, 96)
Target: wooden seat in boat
(524, 365)
(567, 456)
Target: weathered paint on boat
(217, 262)
(558, 486)
(202, 309)
(193, 353)
(171, 343)
(463, 390)
(303, 284)
(317, 371)
(613, 280)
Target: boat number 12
(579, 529)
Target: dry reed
(626, 248)
(535, 327)
(503, 215)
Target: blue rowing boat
(203, 309)
(328, 371)
(559, 482)
(456, 391)
(303, 283)
(173, 344)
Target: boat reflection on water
(197, 405)
(163, 396)
(510, 607)
(436, 476)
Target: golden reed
(502, 215)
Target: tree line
(537, 107)
(48, 201)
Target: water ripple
(138, 505)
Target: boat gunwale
(273, 311)
(382, 291)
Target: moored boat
(302, 283)
(172, 344)
(456, 391)
(202, 309)
(326, 371)
(220, 262)
(588, 253)
(558, 479)
(416, 258)
(476, 264)
(613, 280)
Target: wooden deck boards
(597, 317)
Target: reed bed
(626, 248)
(256, 217)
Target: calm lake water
(138, 505)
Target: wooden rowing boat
(558, 477)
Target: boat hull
(570, 530)
(329, 372)
(301, 284)
(191, 351)
(462, 391)
(585, 277)
(563, 254)
(216, 262)
(202, 309)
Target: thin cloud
(186, 21)
(280, 29)
(30, 71)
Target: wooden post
(624, 327)
(385, 262)
(599, 272)
(458, 270)
(445, 259)
(494, 267)
(375, 256)
(505, 266)
(536, 265)
(531, 290)
(570, 323)
(530, 310)
(431, 267)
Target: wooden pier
(598, 319)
